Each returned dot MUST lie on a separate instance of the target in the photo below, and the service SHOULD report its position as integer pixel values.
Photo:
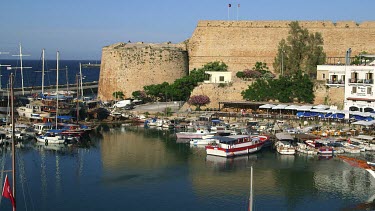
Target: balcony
(335, 82)
(360, 81)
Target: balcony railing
(360, 81)
(335, 82)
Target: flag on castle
(238, 5)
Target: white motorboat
(284, 145)
(197, 134)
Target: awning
(267, 106)
(280, 106)
(321, 107)
(304, 108)
(292, 107)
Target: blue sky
(80, 28)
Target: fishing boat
(229, 146)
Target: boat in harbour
(284, 145)
(229, 146)
(197, 134)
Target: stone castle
(239, 44)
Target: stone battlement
(285, 24)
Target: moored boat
(51, 138)
(197, 134)
(283, 145)
(229, 146)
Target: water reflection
(125, 164)
(138, 155)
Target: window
(369, 90)
(221, 78)
(323, 76)
(354, 89)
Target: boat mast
(43, 71)
(57, 85)
(22, 67)
(67, 80)
(80, 74)
(77, 106)
(13, 139)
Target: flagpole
(13, 140)
(228, 11)
(238, 10)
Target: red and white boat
(323, 149)
(229, 146)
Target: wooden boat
(229, 146)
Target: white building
(358, 81)
(218, 77)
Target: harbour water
(33, 76)
(133, 168)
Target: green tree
(157, 91)
(285, 89)
(261, 67)
(300, 51)
(258, 91)
(215, 66)
(303, 88)
(118, 95)
(359, 59)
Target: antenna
(21, 67)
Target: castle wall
(240, 44)
(130, 67)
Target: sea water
(32, 75)
(133, 168)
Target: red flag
(7, 193)
(229, 5)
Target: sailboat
(52, 137)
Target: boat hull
(236, 151)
